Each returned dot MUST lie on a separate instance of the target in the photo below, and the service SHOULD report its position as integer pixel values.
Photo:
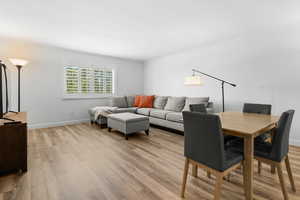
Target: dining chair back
(198, 108)
(203, 139)
(257, 108)
(280, 142)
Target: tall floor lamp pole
(194, 80)
(2, 65)
(19, 63)
(19, 87)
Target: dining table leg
(248, 166)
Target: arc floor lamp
(196, 80)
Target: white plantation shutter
(88, 80)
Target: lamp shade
(18, 62)
(193, 80)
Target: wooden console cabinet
(13, 144)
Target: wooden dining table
(247, 126)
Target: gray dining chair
(276, 152)
(259, 109)
(204, 147)
(198, 108)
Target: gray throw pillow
(175, 104)
(119, 102)
(130, 100)
(195, 100)
(160, 102)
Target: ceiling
(139, 29)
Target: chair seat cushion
(261, 149)
(263, 137)
(232, 157)
(144, 111)
(175, 117)
(159, 113)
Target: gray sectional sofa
(166, 111)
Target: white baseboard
(295, 142)
(54, 124)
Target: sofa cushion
(122, 110)
(158, 113)
(195, 100)
(160, 102)
(175, 117)
(119, 102)
(175, 104)
(130, 101)
(144, 111)
(127, 117)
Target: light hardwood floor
(84, 162)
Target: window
(88, 81)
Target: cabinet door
(13, 148)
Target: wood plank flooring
(88, 163)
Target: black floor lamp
(3, 66)
(19, 63)
(195, 80)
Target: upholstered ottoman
(128, 123)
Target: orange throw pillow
(146, 102)
(137, 101)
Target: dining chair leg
(259, 167)
(208, 174)
(195, 171)
(185, 174)
(219, 180)
(281, 179)
(273, 169)
(289, 171)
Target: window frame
(93, 95)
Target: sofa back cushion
(146, 102)
(119, 102)
(195, 100)
(130, 101)
(160, 102)
(175, 104)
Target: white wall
(42, 81)
(264, 64)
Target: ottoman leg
(147, 132)
(109, 129)
(126, 136)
